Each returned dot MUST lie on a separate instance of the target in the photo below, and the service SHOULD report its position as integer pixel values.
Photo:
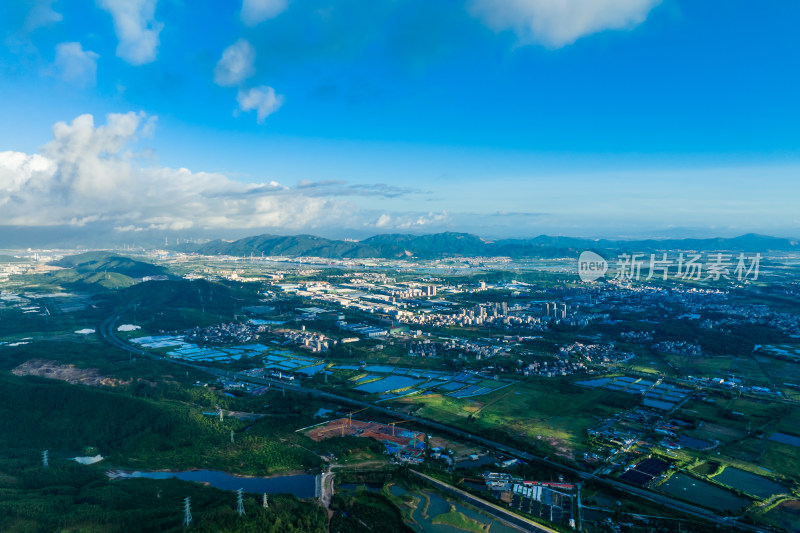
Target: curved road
(107, 333)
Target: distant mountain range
(450, 244)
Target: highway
(106, 332)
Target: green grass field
(551, 416)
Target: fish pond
(392, 382)
(701, 493)
(749, 483)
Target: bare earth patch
(65, 372)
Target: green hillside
(95, 271)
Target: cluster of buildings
(605, 353)
(636, 336)
(744, 315)
(412, 290)
(679, 348)
(551, 500)
(231, 332)
(424, 348)
(621, 432)
(555, 310)
(732, 383)
(316, 342)
(476, 349)
(365, 330)
(13, 269)
(549, 369)
(497, 315)
(456, 348)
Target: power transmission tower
(220, 415)
(187, 512)
(239, 503)
(231, 436)
(264, 501)
(46, 458)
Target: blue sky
(349, 118)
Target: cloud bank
(89, 175)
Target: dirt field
(380, 432)
(64, 372)
(460, 450)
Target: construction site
(405, 444)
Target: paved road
(107, 332)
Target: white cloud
(75, 65)
(136, 29)
(411, 221)
(257, 11)
(261, 99)
(236, 64)
(383, 221)
(421, 221)
(41, 15)
(557, 23)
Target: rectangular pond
(379, 368)
(749, 483)
(311, 370)
(785, 438)
(388, 384)
(704, 494)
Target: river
(301, 485)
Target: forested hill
(93, 271)
(450, 244)
(92, 262)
